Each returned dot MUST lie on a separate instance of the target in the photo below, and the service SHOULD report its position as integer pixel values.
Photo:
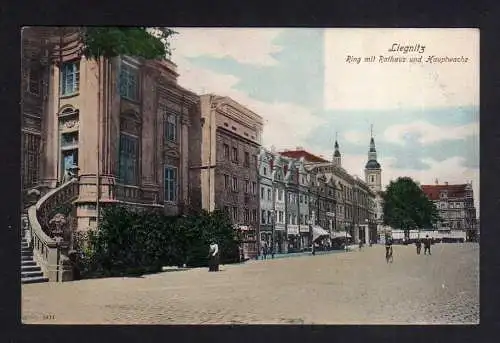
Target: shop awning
(340, 234)
(318, 231)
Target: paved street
(341, 288)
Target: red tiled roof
(454, 191)
(308, 157)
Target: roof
(372, 164)
(308, 157)
(454, 191)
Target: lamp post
(345, 228)
(367, 231)
(273, 232)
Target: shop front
(305, 237)
(248, 239)
(293, 238)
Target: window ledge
(67, 96)
(135, 101)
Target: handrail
(46, 250)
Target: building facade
(123, 122)
(353, 206)
(224, 164)
(455, 203)
(373, 178)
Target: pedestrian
(418, 244)
(264, 251)
(313, 249)
(427, 245)
(213, 257)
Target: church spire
(372, 153)
(337, 158)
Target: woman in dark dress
(213, 257)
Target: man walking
(418, 243)
(427, 245)
(213, 255)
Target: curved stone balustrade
(48, 251)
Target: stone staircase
(30, 271)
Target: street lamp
(345, 227)
(368, 231)
(273, 232)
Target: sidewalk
(306, 253)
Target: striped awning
(340, 234)
(318, 231)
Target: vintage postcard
(250, 176)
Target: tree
(407, 207)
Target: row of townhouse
(303, 195)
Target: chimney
(446, 183)
(437, 182)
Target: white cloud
(356, 137)
(395, 85)
(429, 133)
(286, 125)
(247, 46)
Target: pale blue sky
(296, 79)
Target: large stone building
(224, 175)
(455, 203)
(122, 122)
(354, 202)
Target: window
(265, 171)
(268, 194)
(280, 195)
(247, 216)
(301, 199)
(129, 82)
(247, 159)
(254, 160)
(170, 127)
(128, 160)
(226, 181)
(269, 216)
(280, 217)
(170, 184)
(34, 81)
(69, 139)
(247, 186)
(226, 151)
(235, 213)
(263, 217)
(235, 184)
(254, 187)
(226, 210)
(306, 219)
(235, 154)
(70, 78)
(262, 192)
(305, 199)
(254, 216)
(372, 178)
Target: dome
(336, 153)
(372, 164)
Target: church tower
(373, 170)
(337, 158)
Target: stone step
(36, 279)
(29, 274)
(26, 258)
(28, 263)
(30, 268)
(26, 253)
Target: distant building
(223, 163)
(455, 203)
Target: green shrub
(133, 243)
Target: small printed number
(49, 316)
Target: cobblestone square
(357, 287)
